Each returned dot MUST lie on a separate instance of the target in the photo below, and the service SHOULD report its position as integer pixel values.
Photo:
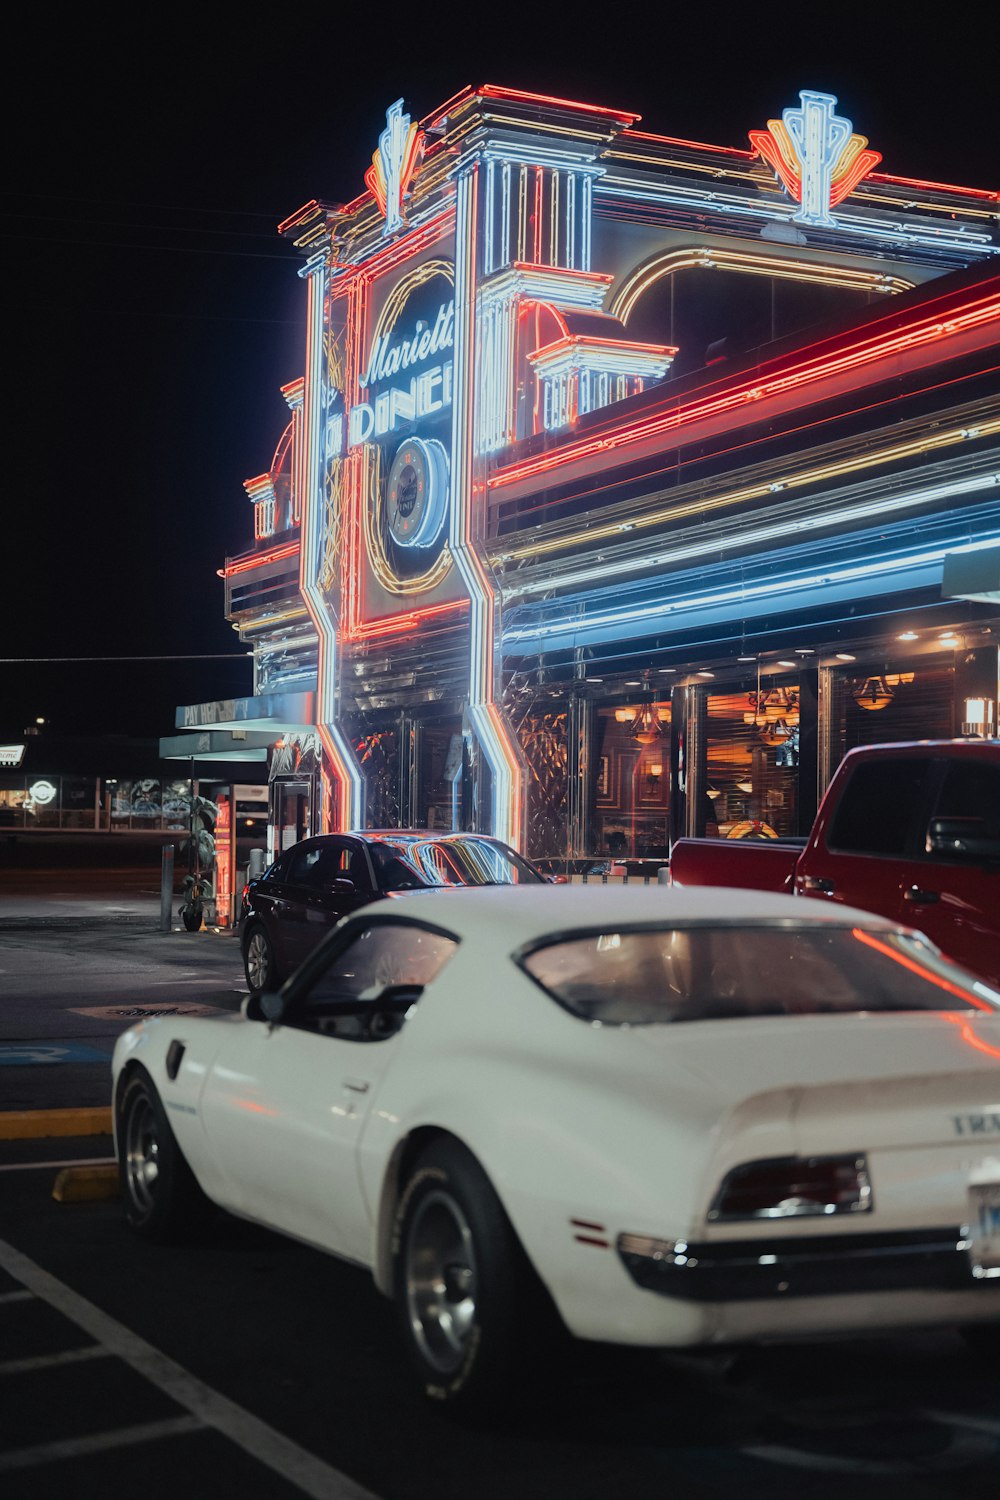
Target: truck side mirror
(961, 838)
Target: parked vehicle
(910, 831)
(291, 907)
(652, 1116)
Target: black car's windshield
(409, 864)
(703, 973)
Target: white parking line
(75, 1161)
(50, 1361)
(207, 1406)
(97, 1442)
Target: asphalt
(95, 904)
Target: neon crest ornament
(816, 155)
(393, 164)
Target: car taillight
(794, 1187)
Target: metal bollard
(663, 875)
(166, 885)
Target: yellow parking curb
(86, 1184)
(36, 1124)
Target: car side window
(878, 805)
(378, 975)
(305, 865)
(317, 865)
(969, 799)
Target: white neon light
(819, 136)
(312, 537)
(743, 537)
(953, 237)
(603, 620)
(483, 714)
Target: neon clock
(416, 497)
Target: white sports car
(673, 1117)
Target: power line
(25, 661)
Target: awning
(217, 745)
(272, 713)
(972, 575)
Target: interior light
(845, 656)
(746, 658)
(804, 651)
(908, 635)
(978, 722)
(788, 664)
(704, 674)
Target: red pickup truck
(910, 831)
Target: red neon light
(399, 251)
(411, 620)
(675, 140)
(496, 91)
(990, 195)
(920, 970)
(277, 554)
(310, 210)
(983, 311)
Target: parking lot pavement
(79, 966)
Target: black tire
(162, 1198)
(468, 1303)
(258, 961)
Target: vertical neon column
(345, 809)
(487, 721)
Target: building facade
(629, 481)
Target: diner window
(891, 702)
(750, 767)
(632, 779)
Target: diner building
(627, 483)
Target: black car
(292, 906)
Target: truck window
(971, 790)
(877, 806)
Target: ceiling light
(949, 639)
(704, 674)
(845, 656)
(788, 664)
(804, 651)
(908, 635)
(746, 658)
(668, 669)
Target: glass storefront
(750, 778)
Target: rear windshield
(639, 978)
(409, 864)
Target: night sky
(155, 312)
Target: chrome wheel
(258, 963)
(440, 1280)
(142, 1155)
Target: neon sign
(393, 164)
(428, 392)
(816, 155)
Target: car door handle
(357, 1085)
(817, 883)
(921, 898)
